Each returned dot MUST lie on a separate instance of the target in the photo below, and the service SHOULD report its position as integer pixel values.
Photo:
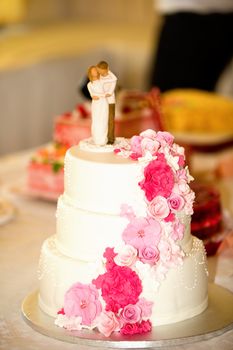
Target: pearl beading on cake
(67, 172)
(196, 248)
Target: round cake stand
(214, 321)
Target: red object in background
(138, 111)
(206, 223)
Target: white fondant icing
(101, 231)
(97, 183)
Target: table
(20, 243)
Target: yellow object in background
(197, 111)
(12, 11)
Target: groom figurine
(109, 80)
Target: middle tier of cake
(84, 234)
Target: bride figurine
(99, 108)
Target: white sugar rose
(159, 208)
(149, 133)
(126, 256)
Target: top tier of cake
(101, 182)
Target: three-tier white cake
(123, 258)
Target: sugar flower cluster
(117, 307)
(116, 300)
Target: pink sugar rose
(149, 133)
(142, 232)
(183, 187)
(164, 138)
(136, 149)
(176, 201)
(108, 323)
(149, 255)
(159, 208)
(82, 300)
(131, 314)
(127, 256)
(146, 307)
(136, 328)
(120, 286)
(158, 178)
(149, 145)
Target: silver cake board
(214, 321)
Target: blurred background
(46, 47)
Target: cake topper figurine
(101, 86)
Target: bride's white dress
(99, 111)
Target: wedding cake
(123, 258)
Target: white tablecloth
(20, 243)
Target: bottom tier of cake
(181, 295)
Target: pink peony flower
(142, 232)
(120, 286)
(82, 300)
(127, 256)
(159, 208)
(164, 138)
(176, 201)
(108, 323)
(149, 255)
(146, 307)
(158, 178)
(131, 314)
(136, 328)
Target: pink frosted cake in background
(72, 127)
(45, 172)
(136, 111)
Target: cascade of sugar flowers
(116, 300)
